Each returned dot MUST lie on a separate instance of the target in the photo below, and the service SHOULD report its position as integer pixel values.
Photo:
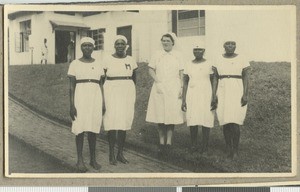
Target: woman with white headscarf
(86, 101)
(199, 89)
(119, 93)
(232, 72)
(164, 107)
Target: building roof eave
(14, 15)
(64, 24)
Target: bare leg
(79, 145)
(205, 139)
(194, 135)
(111, 141)
(231, 128)
(121, 143)
(228, 140)
(236, 139)
(162, 135)
(92, 146)
(170, 131)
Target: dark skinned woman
(199, 90)
(86, 103)
(119, 93)
(233, 71)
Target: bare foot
(235, 155)
(81, 167)
(95, 165)
(112, 159)
(193, 149)
(122, 159)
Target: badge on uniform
(128, 66)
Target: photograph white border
(95, 7)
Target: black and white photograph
(150, 91)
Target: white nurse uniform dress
(119, 93)
(199, 93)
(230, 90)
(166, 107)
(88, 96)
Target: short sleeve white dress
(88, 96)
(166, 108)
(199, 92)
(44, 50)
(119, 94)
(230, 91)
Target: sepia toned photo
(150, 91)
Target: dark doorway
(126, 31)
(62, 46)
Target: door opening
(64, 46)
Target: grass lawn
(265, 138)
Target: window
(22, 45)
(188, 22)
(97, 35)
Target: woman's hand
(159, 88)
(103, 108)
(73, 112)
(180, 94)
(183, 106)
(244, 100)
(214, 103)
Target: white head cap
(173, 36)
(122, 37)
(87, 40)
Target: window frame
(25, 31)
(97, 35)
(176, 22)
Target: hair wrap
(122, 37)
(87, 40)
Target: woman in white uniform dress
(233, 72)
(119, 94)
(164, 107)
(199, 89)
(86, 100)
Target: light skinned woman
(199, 90)
(120, 94)
(86, 103)
(164, 106)
(233, 74)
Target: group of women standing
(107, 88)
(91, 98)
(198, 88)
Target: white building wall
(40, 28)
(77, 18)
(150, 28)
(110, 21)
(261, 35)
(147, 28)
(156, 23)
(153, 24)
(14, 29)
